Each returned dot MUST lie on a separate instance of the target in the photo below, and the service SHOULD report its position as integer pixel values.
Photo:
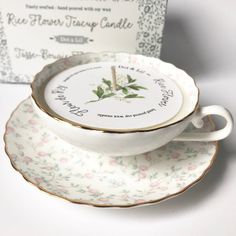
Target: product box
(34, 33)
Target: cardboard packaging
(34, 33)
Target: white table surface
(200, 37)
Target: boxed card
(34, 33)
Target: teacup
(143, 105)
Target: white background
(200, 37)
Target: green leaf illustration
(108, 95)
(100, 91)
(134, 96)
(104, 90)
(141, 87)
(136, 87)
(107, 82)
(125, 91)
(130, 80)
(131, 96)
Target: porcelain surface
(113, 96)
(61, 169)
(189, 90)
(115, 138)
(114, 141)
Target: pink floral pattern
(66, 171)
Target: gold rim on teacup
(126, 142)
(63, 64)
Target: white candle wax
(85, 95)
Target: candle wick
(114, 82)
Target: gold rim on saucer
(11, 157)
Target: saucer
(63, 170)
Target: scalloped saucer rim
(140, 168)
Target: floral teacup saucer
(61, 169)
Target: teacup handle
(198, 123)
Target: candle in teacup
(121, 104)
(113, 96)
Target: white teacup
(61, 91)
